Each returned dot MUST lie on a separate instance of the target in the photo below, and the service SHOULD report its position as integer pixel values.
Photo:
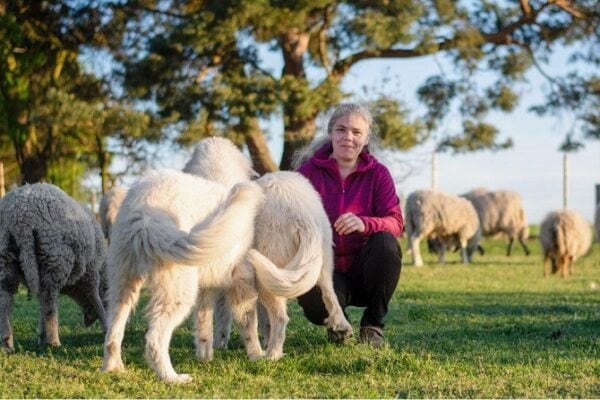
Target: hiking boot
(372, 335)
(338, 337)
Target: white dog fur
(181, 233)
(293, 231)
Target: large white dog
(180, 233)
(293, 231)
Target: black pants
(369, 283)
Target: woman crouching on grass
(360, 199)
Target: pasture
(495, 328)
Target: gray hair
(350, 108)
(306, 152)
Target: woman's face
(349, 135)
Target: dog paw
(178, 378)
(113, 366)
(274, 355)
(256, 356)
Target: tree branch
(501, 37)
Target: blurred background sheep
(501, 212)
(448, 218)
(565, 236)
(54, 245)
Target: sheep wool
(501, 211)
(437, 215)
(565, 236)
(57, 246)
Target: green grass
(495, 328)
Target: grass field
(495, 328)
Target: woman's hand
(348, 223)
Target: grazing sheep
(565, 236)
(54, 245)
(437, 215)
(109, 207)
(597, 222)
(501, 211)
(181, 233)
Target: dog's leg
(173, 293)
(336, 320)
(242, 296)
(223, 320)
(277, 310)
(204, 324)
(124, 292)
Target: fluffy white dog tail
(298, 276)
(220, 239)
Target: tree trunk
(296, 136)
(298, 131)
(259, 151)
(103, 163)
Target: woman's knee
(387, 244)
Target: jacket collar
(322, 159)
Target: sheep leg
(8, 288)
(123, 295)
(509, 248)
(416, 253)
(524, 245)
(565, 266)
(277, 311)
(242, 297)
(6, 305)
(463, 251)
(223, 320)
(49, 313)
(204, 324)
(547, 265)
(442, 253)
(96, 302)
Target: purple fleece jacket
(368, 192)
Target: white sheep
(54, 245)
(565, 236)
(501, 211)
(437, 215)
(109, 207)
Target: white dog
(293, 231)
(179, 233)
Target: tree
(57, 117)
(201, 60)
